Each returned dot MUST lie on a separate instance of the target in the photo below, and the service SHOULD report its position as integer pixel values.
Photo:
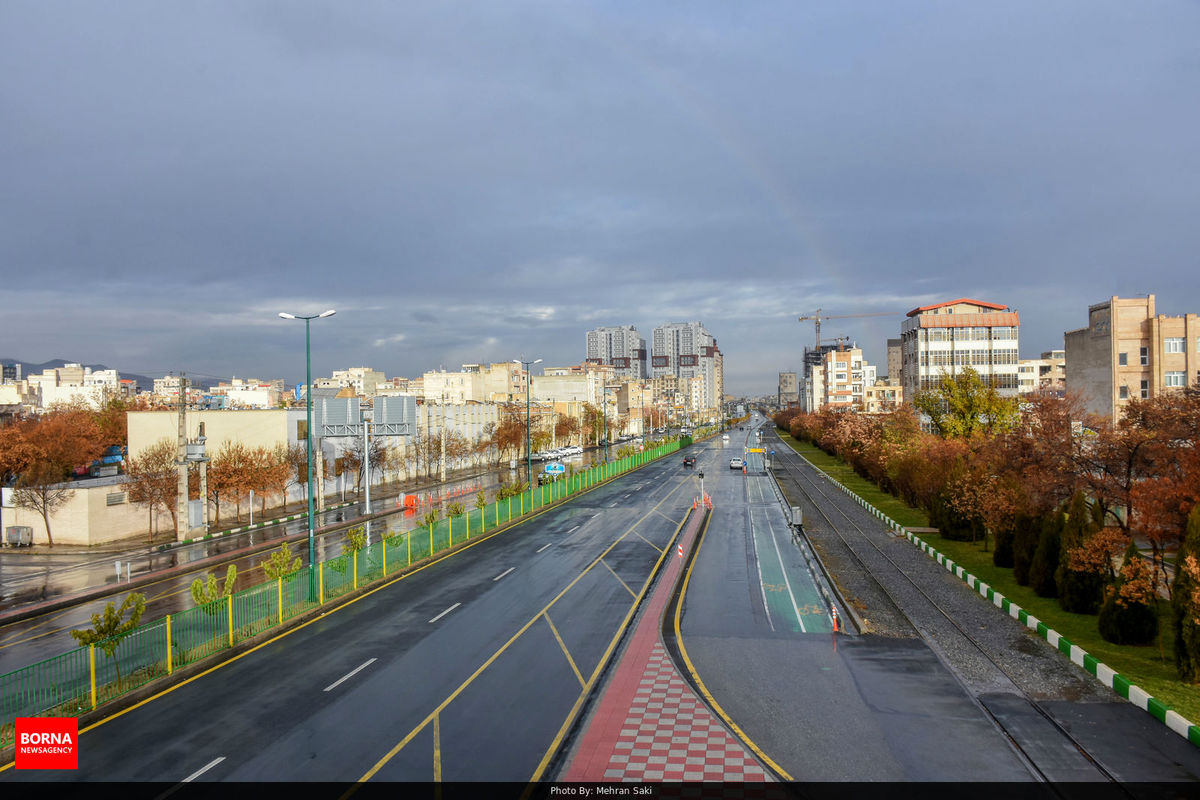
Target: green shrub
(1129, 614)
(1027, 531)
(1002, 556)
(1185, 602)
(1044, 565)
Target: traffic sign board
(754, 450)
(555, 468)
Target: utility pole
(442, 472)
(181, 498)
(366, 423)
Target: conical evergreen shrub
(1185, 602)
(1027, 530)
(1079, 591)
(1045, 557)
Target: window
(1173, 344)
(1124, 392)
(1123, 359)
(1174, 379)
(1144, 352)
(1145, 390)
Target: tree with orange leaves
(153, 480)
(43, 452)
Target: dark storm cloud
(477, 182)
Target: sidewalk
(648, 724)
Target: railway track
(865, 549)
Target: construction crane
(816, 318)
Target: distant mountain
(28, 369)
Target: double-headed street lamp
(528, 452)
(312, 547)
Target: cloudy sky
(472, 182)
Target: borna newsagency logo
(47, 743)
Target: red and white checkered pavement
(649, 724)
(670, 735)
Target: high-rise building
(688, 350)
(788, 389)
(622, 348)
(944, 338)
(839, 381)
(1127, 351)
(894, 360)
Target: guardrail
(81, 680)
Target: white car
(737, 463)
(573, 450)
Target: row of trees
(1059, 494)
(37, 454)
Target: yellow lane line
(618, 577)
(647, 541)
(696, 677)
(437, 749)
(566, 652)
(290, 631)
(441, 706)
(587, 689)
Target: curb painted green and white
(1098, 669)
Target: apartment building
(943, 338)
(882, 398)
(840, 380)
(688, 350)
(622, 348)
(1128, 351)
(1045, 374)
(250, 392)
(364, 380)
(789, 389)
(894, 361)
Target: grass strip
(1151, 667)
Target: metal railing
(83, 679)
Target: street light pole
(528, 452)
(312, 546)
(604, 403)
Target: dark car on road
(689, 461)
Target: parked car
(737, 463)
(689, 461)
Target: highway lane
(28, 577)
(478, 661)
(857, 708)
(42, 636)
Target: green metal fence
(78, 681)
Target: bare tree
(153, 481)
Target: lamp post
(528, 452)
(604, 403)
(312, 546)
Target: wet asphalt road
(916, 700)
(464, 670)
(27, 641)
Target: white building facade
(944, 338)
